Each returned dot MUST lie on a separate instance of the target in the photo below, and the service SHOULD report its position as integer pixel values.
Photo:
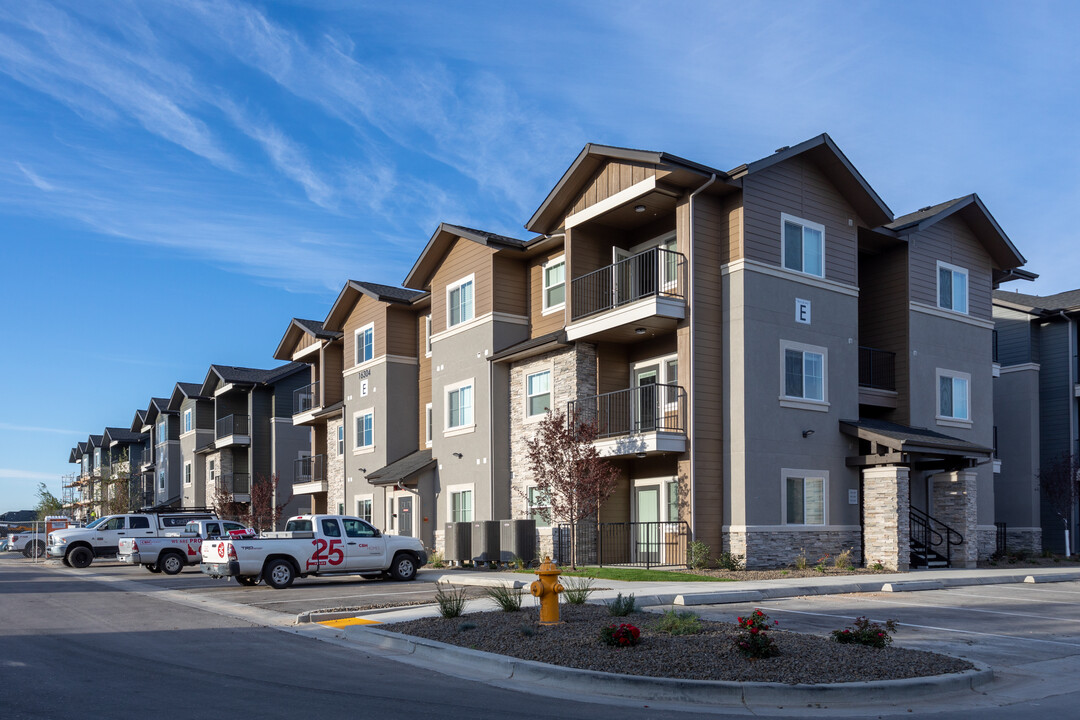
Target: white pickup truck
(172, 553)
(30, 543)
(79, 546)
(314, 545)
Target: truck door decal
(334, 554)
(221, 550)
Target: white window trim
(785, 218)
(956, 269)
(189, 474)
(356, 344)
(798, 402)
(552, 309)
(471, 278)
(189, 418)
(548, 367)
(429, 422)
(371, 499)
(785, 473)
(359, 449)
(427, 335)
(529, 506)
(945, 420)
(460, 429)
(451, 490)
(340, 440)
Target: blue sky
(179, 178)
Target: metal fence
(653, 273)
(629, 544)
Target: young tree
(570, 474)
(48, 504)
(1059, 483)
(224, 505)
(263, 513)
(117, 491)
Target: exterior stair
(931, 541)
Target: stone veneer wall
(777, 548)
(886, 521)
(954, 503)
(335, 469)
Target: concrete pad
(913, 585)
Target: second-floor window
(538, 391)
(952, 287)
(429, 423)
(554, 284)
(459, 302)
(804, 372)
(213, 473)
(427, 335)
(365, 344)
(187, 420)
(954, 395)
(341, 440)
(162, 431)
(459, 410)
(187, 473)
(803, 245)
(161, 480)
(365, 429)
(97, 457)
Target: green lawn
(633, 575)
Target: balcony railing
(653, 273)
(994, 346)
(233, 425)
(236, 483)
(642, 409)
(877, 369)
(305, 398)
(309, 469)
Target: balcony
(644, 290)
(237, 484)
(309, 475)
(636, 421)
(877, 377)
(233, 430)
(305, 400)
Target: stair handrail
(917, 516)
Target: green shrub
(435, 560)
(866, 632)
(506, 597)
(673, 622)
(576, 590)
(801, 563)
(877, 566)
(698, 555)
(622, 606)
(727, 561)
(451, 600)
(843, 560)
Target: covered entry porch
(918, 494)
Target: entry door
(405, 516)
(647, 535)
(645, 398)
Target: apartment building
(120, 446)
(194, 414)
(1036, 405)
(163, 428)
(142, 458)
(83, 484)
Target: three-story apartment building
(164, 430)
(195, 415)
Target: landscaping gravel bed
(707, 655)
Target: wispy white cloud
(35, 429)
(13, 474)
(35, 179)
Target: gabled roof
(232, 375)
(439, 244)
(832, 161)
(138, 421)
(121, 435)
(972, 210)
(182, 391)
(94, 441)
(1068, 301)
(74, 456)
(547, 217)
(402, 470)
(82, 448)
(350, 294)
(297, 328)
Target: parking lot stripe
(998, 597)
(975, 610)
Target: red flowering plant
(754, 641)
(621, 635)
(866, 632)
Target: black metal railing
(1001, 540)
(629, 544)
(305, 398)
(877, 369)
(309, 469)
(994, 345)
(236, 483)
(929, 534)
(233, 425)
(646, 408)
(656, 272)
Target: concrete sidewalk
(652, 594)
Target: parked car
(314, 545)
(171, 554)
(79, 546)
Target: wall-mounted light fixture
(363, 470)
(457, 455)
(807, 433)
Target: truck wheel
(152, 567)
(171, 564)
(36, 549)
(279, 574)
(248, 580)
(80, 557)
(404, 567)
(65, 561)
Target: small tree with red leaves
(263, 512)
(570, 474)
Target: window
(357, 529)
(97, 457)
(330, 528)
(459, 302)
(430, 423)
(461, 506)
(803, 245)
(213, 473)
(554, 283)
(952, 287)
(954, 396)
(341, 440)
(427, 335)
(363, 509)
(116, 523)
(365, 436)
(673, 502)
(459, 407)
(537, 504)
(805, 499)
(671, 378)
(161, 480)
(162, 430)
(187, 420)
(805, 372)
(669, 262)
(140, 523)
(538, 393)
(187, 473)
(365, 344)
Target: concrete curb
(1064, 577)
(708, 692)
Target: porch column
(885, 502)
(953, 503)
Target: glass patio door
(647, 530)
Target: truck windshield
(298, 526)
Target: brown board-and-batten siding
(366, 310)
(464, 258)
(331, 357)
(612, 178)
(423, 377)
(884, 318)
(540, 323)
(510, 291)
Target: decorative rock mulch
(708, 655)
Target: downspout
(1070, 521)
(690, 363)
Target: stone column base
(886, 522)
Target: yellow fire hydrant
(547, 588)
